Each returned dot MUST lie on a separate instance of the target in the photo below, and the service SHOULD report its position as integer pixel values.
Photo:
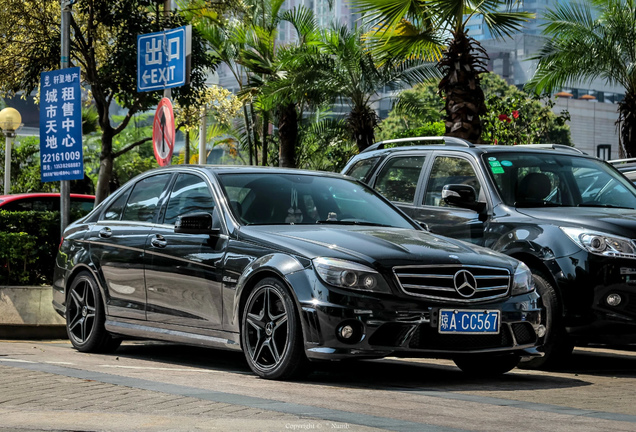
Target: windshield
(274, 198)
(540, 180)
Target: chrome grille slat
(436, 282)
(434, 288)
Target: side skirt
(185, 335)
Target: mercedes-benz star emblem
(465, 283)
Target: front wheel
(480, 365)
(556, 345)
(85, 317)
(271, 333)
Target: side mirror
(461, 195)
(195, 223)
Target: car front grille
(437, 282)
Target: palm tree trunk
(463, 62)
(265, 135)
(288, 135)
(363, 121)
(627, 122)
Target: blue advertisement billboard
(61, 156)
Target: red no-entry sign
(163, 132)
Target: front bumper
(405, 328)
(585, 282)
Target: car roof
(463, 146)
(17, 197)
(246, 169)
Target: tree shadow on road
(400, 374)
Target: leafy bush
(28, 245)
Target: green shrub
(16, 257)
(28, 245)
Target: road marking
(62, 363)
(16, 361)
(159, 368)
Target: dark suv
(570, 217)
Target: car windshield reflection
(540, 180)
(274, 199)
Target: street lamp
(10, 120)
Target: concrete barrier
(26, 312)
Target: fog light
(540, 330)
(346, 332)
(613, 299)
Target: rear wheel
(487, 365)
(85, 317)
(271, 333)
(557, 347)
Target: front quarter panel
(239, 279)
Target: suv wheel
(556, 345)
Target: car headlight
(600, 243)
(522, 280)
(350, 275)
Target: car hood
(611, 220)
(376, 246)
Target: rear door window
(144, 198)
(399, 177)
(361, 169)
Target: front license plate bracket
(462, 321)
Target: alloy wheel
(267, 328)
(81, 311)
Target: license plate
(468, 321)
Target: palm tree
(348, 71)
(592, 40)
(417, 29)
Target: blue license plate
(468, 321)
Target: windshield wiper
(349, 222)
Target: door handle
(158, 241)
(105, 232)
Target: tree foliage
(103, 43)
(588, 40)
(420, 29)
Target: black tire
(271, 333)
(85, 317)
(482, 365)
(557, 347)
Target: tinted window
(399, 177)
(189, 194)
(82, 206)
(116, 209)
(360, 170)
(450, 170)
(539, 179)
(142, 204)
(306, 199)
(37, 204)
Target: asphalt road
(149, 386)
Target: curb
(26, 312)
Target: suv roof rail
(620, 161)
(556, 147)
(445, 140)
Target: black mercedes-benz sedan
(288, 266)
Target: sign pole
(65, 185)
(167, 92)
